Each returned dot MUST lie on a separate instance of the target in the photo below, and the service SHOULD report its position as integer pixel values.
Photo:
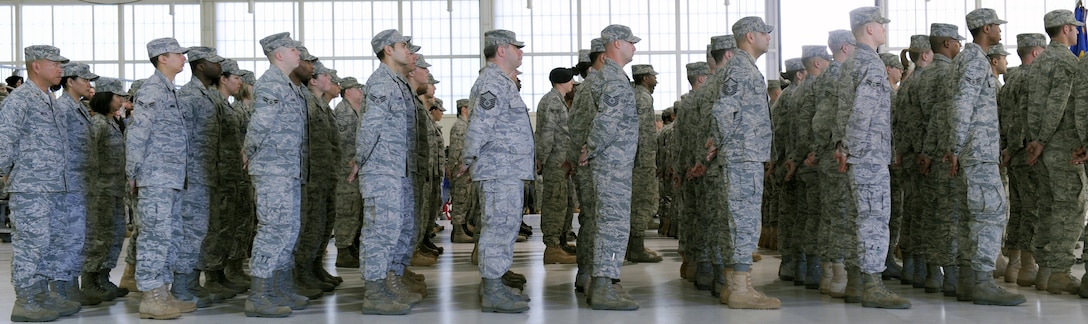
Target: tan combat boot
(128, 280)
(826, 276)
(155, 305)
(1042, 278)
(29, 305)
(839, 280)
(876, 296)
(420, 259)
(556, 255)
(724, 297)
(1063, 282)
(1012, 271)
(743, 296)
(1028, 269)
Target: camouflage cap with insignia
(272, 42)
(111, 85)
(438, 104)
(499, 37)
(583, 56)
(751, 24)
(1029, 40)
(462, 103)
(596, 45)
(431, 80)
(723, 42)
(794, 64)
(618, 32)
(304, 54)
(76, 69)
(249, 77)
(698, 69)
(997, 49)
(43, 52)
(421, 62)
(865, 15)
(135, 87)
(919, 43)
(164, 45)
(388, 37)
(891, 60)
(1060, 17)
(197, 53)
(350, 83)
(945, 30)
(230, 66)
(811, 51)
(839, 37)
(642, 69)
(982, 17)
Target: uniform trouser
(318, 208)
(664, 199)
(744, 181)
(1061, 209)
(195, 213)
(719, 244)
(613, 223)
(349, 214)
(133, 201)
(499, 225)
(423, 187)
(464, 195)
(587, 220)
(984, 223)
(279, 209)
(896, 194)
(65, 253)
(223, 225)
(837, 236)
(808, 209)
(770, 207)
(159, 213)
(870, 207)
(31, 215)
(789, 224)
(105, 232)
(644, 200)
(948, 197)
(556, 206)
(388, 225)
(695, 234)
(1023, 211)
(247, 220)
(909, 230)
(681, 218)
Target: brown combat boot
(743, 296)
(556, 255)
(1063, 282)
(155, 305)
(128, 280)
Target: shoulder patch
(610, 100)
(270, 100)
(730, 86)
(488, 100)
(376, 99)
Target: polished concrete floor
(664, 298)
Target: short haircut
(490, 51)
(100, 103)
(1054, 31)
(718, 54)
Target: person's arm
(965, 95)
(12, 116)
(545, 130)
(485, 111)
(616, 98)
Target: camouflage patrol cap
(335, 78)
(891, 60)
(723, 42)
(642, 69)
(249, 77)
(413, 48)
(865, 15)
(135, 87)
(698, 69)
(596, 46)
(667, 112)
(462, 103)
(810, 51)
(350, 83)
(771, 84)
(751, 24)
(945, 30)
(583, 56)
(388, 37)
(431, 80)
(982, 17)
(1060, 17)
(919, 43)
(839, 37)
(618, 32)
(160, 46)
(272, 42)
(197, 53)
(438, 104)
(1030, 40)
(43, 52)
(997, 49)
(499, 37)
(230, 67)
(320, 68)
(76, 69)
(111, 85)
(304, 54)
(421, 62)
(794, 64)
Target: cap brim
(90, 77)
(1076, 23)
(958, 37)
(768, 29)
(58, 58)
(518, 44)
(1001, 22)
(883, 20)
(633, 39)
(414, 48)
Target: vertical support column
(121, 42)
(487, 22)
(681, 72)
(883, 4)
(207, 23)
(774, 55)
(19, 34)
(301, 22)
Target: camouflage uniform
(30, 163)
(582, 114)
(499, 149)
(349, 202)
(905, 117)
(201, 181)
(786, 194)
(551, 135)
(463, 193)
(836, 237)
(943, 190)
(1011, 104)
(230, 191)
(423, 179)
(644, 200)
(69, 230)
(319, 199)
(864, 127)
(106, 212)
